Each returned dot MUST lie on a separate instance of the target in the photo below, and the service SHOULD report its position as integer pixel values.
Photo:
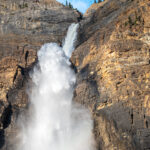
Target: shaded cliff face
(32, 23)
(113, 72)
(24, 27)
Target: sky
(81, 5)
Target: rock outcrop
(24, 26)
(112, 60)
(113, 72)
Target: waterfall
(56, 123)
(68, 46)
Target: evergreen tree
(70, 5)
(66, 3)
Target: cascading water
(56, 123)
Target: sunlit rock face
(113, 77)
(24, 27)
(112, 63)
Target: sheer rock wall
(25, 25)
(113, 72)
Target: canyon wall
(25, 25)
(113, 72)
(112, 61)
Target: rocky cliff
(24, 26)
(113, 72)
(112, 60)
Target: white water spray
(56, 122)
(70, 39)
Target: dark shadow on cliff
(6, 116)
(122, 120)
(90, 93)
(16, 96)
(2, 138)
(73, 67)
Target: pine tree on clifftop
(70, 5)
(66, 3)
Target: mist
(55, 122)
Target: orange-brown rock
(113, 73)
(112, 61)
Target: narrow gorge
(111, 60)
(54, 121)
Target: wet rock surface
(25, 25)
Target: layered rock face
(113, 72)
(32, 23)
(112, 61)
(24, 26)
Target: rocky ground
(112, 60)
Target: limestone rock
(112, 60)
(113, 73)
